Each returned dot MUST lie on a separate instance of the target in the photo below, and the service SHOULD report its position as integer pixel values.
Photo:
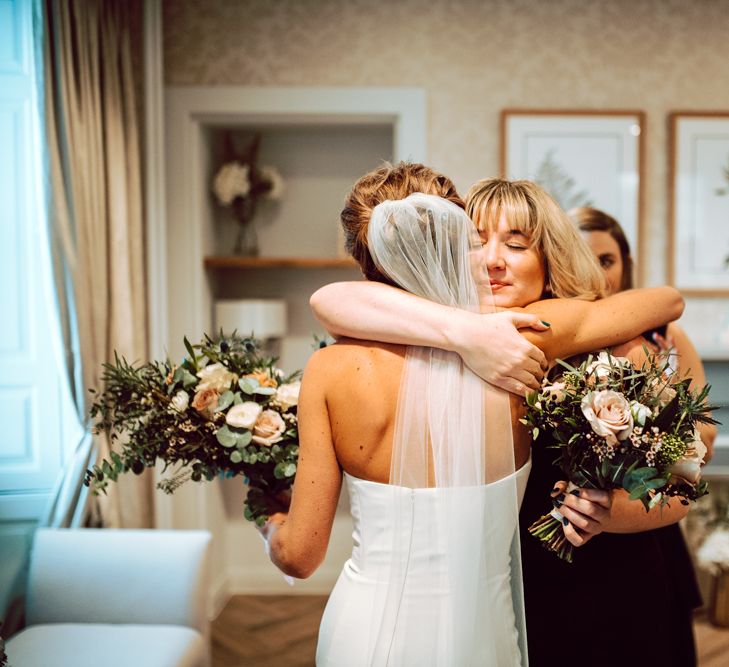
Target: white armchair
(118, 598)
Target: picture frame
(582, 158)
(698, 187)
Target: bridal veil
(452, 438)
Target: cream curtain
(96, 223)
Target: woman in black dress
(627, 598)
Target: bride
(433, 475)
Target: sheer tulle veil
(452, 437)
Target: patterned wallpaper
(473, 58)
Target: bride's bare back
(360, 381)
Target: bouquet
(224, 411)
(616, 426)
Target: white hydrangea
(231, 181)
(272, 176)
(713, 555)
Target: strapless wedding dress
(352, 617)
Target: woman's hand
(587, 512)
(490, 344)
(491, 347)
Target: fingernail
(565, 521)
(546, 324)
(575, 492)
(555, 489)
(556, 502)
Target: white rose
(269, 428)
(555, 391)
(272, 176)
(640, 412)
(287, 395)
(243, 415)
(608, 413)
(180, 401)
(216, 376)
(605, 365)
(231, 181)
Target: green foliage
(142, 411)
(660, 413)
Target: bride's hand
(587, 512)
(492, 347)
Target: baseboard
(218, 596)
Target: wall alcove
(321, 140)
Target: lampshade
(266, 318)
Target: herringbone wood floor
(280, 631)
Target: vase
(244, 214)
(246, 240)
(719, 609)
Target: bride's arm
(298, 539)
(489, 344)
(583, 326)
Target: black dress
(626, 599)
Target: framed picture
(582, 158)
(698, 245)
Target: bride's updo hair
(570, 267)
(387, 182)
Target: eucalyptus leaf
(265, 391)
(243, 438)
(279, 472)
(290, 470)
(226, 437)
(248, 385)
(188, 379)
(224, 401)
(236, 456)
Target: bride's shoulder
(349, 354)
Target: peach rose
(205, 402)
(609, 414)
(269, 428)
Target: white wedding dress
(435, 575)
(355, 605)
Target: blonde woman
(537, 264)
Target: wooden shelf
(235, 262)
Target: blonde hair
(571, 269)
(386, 182)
